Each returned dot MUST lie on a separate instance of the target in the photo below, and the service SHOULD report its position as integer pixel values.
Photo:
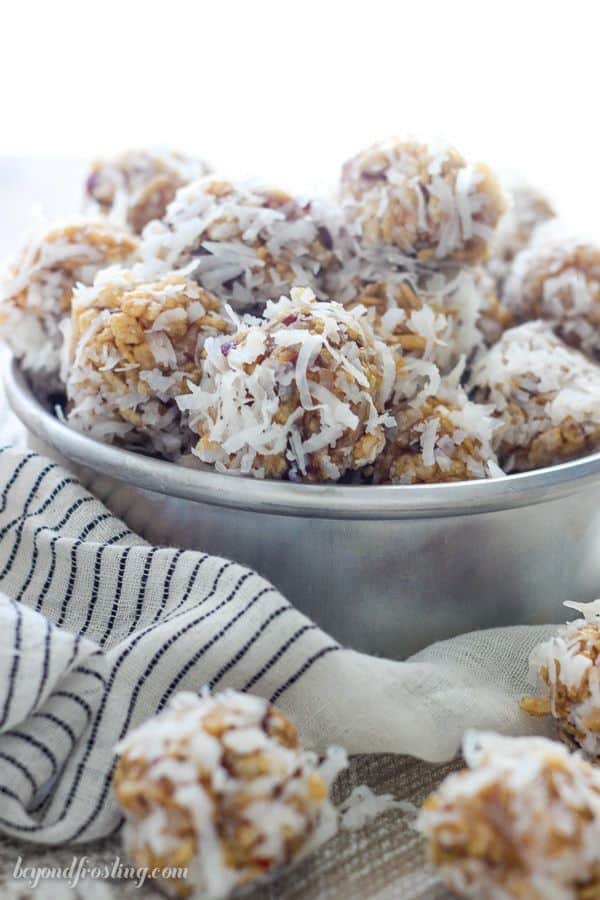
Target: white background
(288, 90)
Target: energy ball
(136, 187)
(222, 786)
(522, 821)
(134, 348)
(250, 243)
(427, 202)
(568, 668)
(35, 294)
(557, 278)
(299, 394)
(433, 319)
(528, 208)
(438, 439)
(546, 394)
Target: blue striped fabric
(98, 630)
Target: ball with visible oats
(522, 821)
(528, 208)
(568, 669)
(221, 786)
(426, 202)
(250, 243)
(557, 277)
(134, 347)
(299, 394)
(36, 290)
(434, 319)
(136, 186)
(438, 439)
(546, 395)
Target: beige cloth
(382, 861)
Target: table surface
(384, 860)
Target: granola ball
(437, 439)
(427, 202)
(432, 319)
(522, 821)
(528, 208)
(250, 243)
(222, 786)
(298, 394)
(557, 277)
(35, 293)
(568, 669)
(546, 394)
(136, 186)
(134, 347)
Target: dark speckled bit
(325, 237)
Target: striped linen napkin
(98, 629)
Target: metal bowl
(386, 569)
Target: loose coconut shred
(522, 821)
(221, 786)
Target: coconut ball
(298, 394)
(250, 243)
(528, 208)
(136, 186)
(438, 439)
(36, 290)
(546, 394)
(522, 821)
(568, 669)
(426, 202)
(557, 277)
(432, 318)
(222, 786)
(134, 347)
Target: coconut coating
(134, 347)
(568, 671)
(299, 394)
(528, 208)
(427, 202)
(494, 316)
(250, 243)
(438, 439)
(136, 186)
(557, 278)
(522, 821)
(546, 394)
(222, 786)
(433, 319)
(36, 291)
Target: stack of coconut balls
(421, 324)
